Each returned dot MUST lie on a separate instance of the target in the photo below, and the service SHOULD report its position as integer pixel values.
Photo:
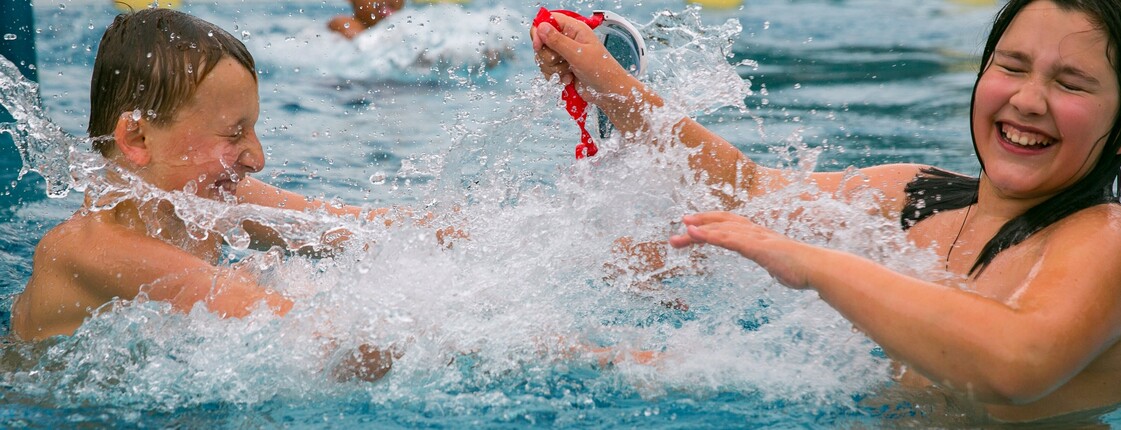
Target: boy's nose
(252, 156)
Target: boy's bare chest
(208, 249)
(206, 246)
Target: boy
(173, 102)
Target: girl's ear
(130, 139)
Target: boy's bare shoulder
(76, 241)
(66, 233)
(61, 240)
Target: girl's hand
(781, 256)
(575, 53)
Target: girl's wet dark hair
(151, 62)
(935, 191)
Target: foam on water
(497, 325)
(415, 44)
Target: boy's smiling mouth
(226, 185)
(1024, 138)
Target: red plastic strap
(573, 103)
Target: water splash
(496, 328)
(43, 146)
(406, 47)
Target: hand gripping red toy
(622, 41)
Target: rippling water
(418, 113)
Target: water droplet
(377, 178)
(10, 36)
(191, 187)
(245, 35)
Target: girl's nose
(1031, 98)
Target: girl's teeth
(1024, 138)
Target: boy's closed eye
(235, 134)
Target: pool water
(443, 110)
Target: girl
(1032, 332)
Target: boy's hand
(366, 363)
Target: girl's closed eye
(1010, 68)
(1070, 86)
(1074, 80)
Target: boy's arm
(109, 262)
(169, 274)
(253, 191)
(256, 192)
(116, 263)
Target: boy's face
(211, 141)
(1045, 103)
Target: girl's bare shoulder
(1094, 228)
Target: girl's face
(211, 142)
(1045, 103)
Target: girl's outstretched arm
(1063, 315)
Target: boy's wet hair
(151, 62)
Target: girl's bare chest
(959, 246)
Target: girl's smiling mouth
(1024, 138)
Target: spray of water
(43, 145)
(414, 45)
(502, 323)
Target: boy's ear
(130, 140)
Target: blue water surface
(443, 110)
